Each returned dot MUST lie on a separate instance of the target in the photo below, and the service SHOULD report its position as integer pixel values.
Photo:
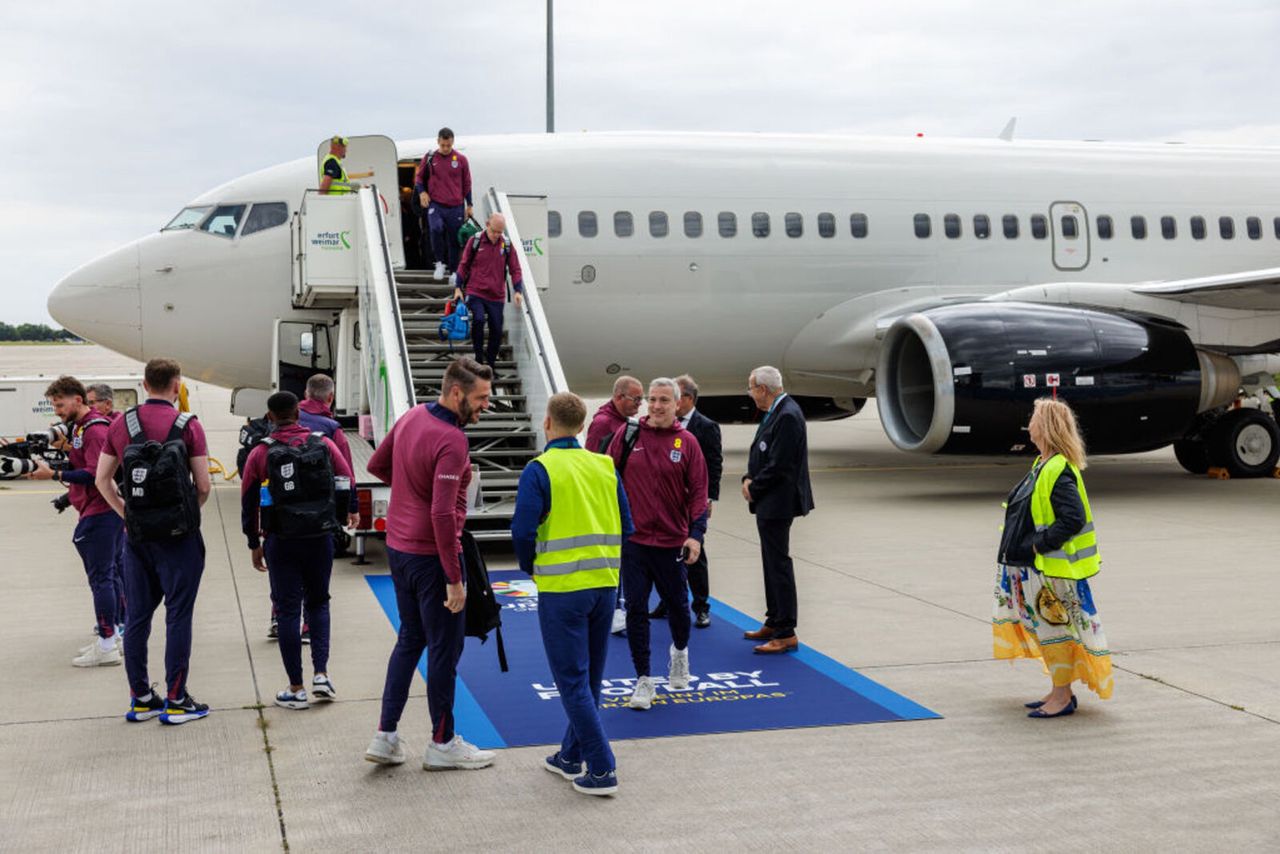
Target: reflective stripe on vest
(338, 186)
(1078, 558)
(579, 544)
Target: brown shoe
(762, 633)
(778, 645)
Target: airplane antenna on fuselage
(1007, 133)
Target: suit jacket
(779, 465)
(707, 432)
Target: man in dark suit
(776, 488)
(707, 432)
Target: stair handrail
(380, 309)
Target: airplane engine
(962, 379)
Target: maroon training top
(449, 181)
(605, 422)
(484, 267)
(666, 483)
(426, 460)
(86, 446)
(255, 465)
(157, 417)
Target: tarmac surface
(895, 570)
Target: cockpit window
(264, 215)
(224, 220)
(187, 218)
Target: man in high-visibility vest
(334, 180)
(570, 521)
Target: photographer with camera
(83, 433)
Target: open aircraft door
(376, 154)
(299, 349)
(1070, 226)
(530, 213)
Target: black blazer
(707, 432)
(779, 465)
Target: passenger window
(760, 224)
(224, 220)
(924, 226)
(1070, 227)
(1226, 227)
(826, 225)
(1138, 225)
(553, 223)
(658, 225)
(1039, 226)
(1254, 226)
(1168, 227)
(1106, 228)
(624, 225)
(1010, 223)
(692, 224)
(858, 225)
(264, 215)
(727, 222)
(794, 224)
(981, 226)
(587, 225)
(951, 226)
(1198, 229)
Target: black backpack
(628, 444)
(160, 500)
(300, 483)
(483, 612)
(251, 436)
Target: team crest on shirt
(675, 456)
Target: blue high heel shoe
(1068, 709)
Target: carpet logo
(733, 686)
(518, 595)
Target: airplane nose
(100, 302)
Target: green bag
(469, 229)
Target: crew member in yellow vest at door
(570, 520)
(1044, 606)
(334, 180)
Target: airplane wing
(1254, 290)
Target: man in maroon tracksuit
(443, 184)
(426, 460)
(628, 394)
(482, 274)
(665, 477)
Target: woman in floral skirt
(1044, 608)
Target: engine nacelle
(962, 379)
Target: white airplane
(955, 280)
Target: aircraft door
(530, 213)
(1070, 226)
(300, 349)
(376, 154)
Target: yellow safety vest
(1078, 558)
(339, 185)
(579, 544)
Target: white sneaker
(619, 621)
(297, 700)
(438, 272)
(322, 690)
(642, 694)
(678, 673)
(96, 656)
(383, 751)
(458, 753)
(89, 646)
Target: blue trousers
(643, 568)
(575, 634)
(425, 623)
(122, 610)
(96, 539)
(299, 570)
(167, 571)
(486, 310)
(443, 224)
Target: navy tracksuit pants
(97, 539)
(122, 601)
(166, 571)
(425, 623)
(483, 310)
(444, 224)
(300, 570)
(575, 634)
(643, 568)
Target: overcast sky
(112, 115)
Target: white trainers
(619, 621)
(96, 656)
(322, 690)
(89, 646)
(642, 695)
(678, 673)
(438, 272)
(296, 700)
(385, 751)
(458, 753)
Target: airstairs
(403, 359)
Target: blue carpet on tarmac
(732, 689)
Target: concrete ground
(895, 573)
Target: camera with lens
(18, 458)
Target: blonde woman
(1048, 551)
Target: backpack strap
(133, 424)
(502, 649)
(179, 425)
(93, 421)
